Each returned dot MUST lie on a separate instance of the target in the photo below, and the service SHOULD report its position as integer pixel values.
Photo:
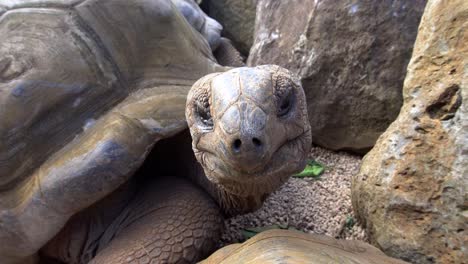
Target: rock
(411, 192)
(237, 18)
(351, 56)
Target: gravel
(320, 206)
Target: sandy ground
(321, 206)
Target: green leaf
(349, 223)
(248, 234)
(313, 169)
(252, 231)
(295, 229)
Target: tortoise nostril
(248, 147)
(236, 145)
(257, 142)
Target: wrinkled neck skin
(175, 156)
(231, 203)
(178, 155)
(240, 197)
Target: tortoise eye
(202, 109)
(284, 94)
(204, 114)
(285, 104)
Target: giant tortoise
(292, 247)
(87, 87)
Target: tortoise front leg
(227, 55)
(170, 221)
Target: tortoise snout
(247, 152)
(247, 145)
(244, 136)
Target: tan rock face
(351, 56)
(411, 191)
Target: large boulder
(351, 56)
(411, 192)
(237, 18)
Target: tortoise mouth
(287, 159)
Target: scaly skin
(170, 221)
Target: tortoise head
(250, 132)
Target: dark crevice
(446, 105)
